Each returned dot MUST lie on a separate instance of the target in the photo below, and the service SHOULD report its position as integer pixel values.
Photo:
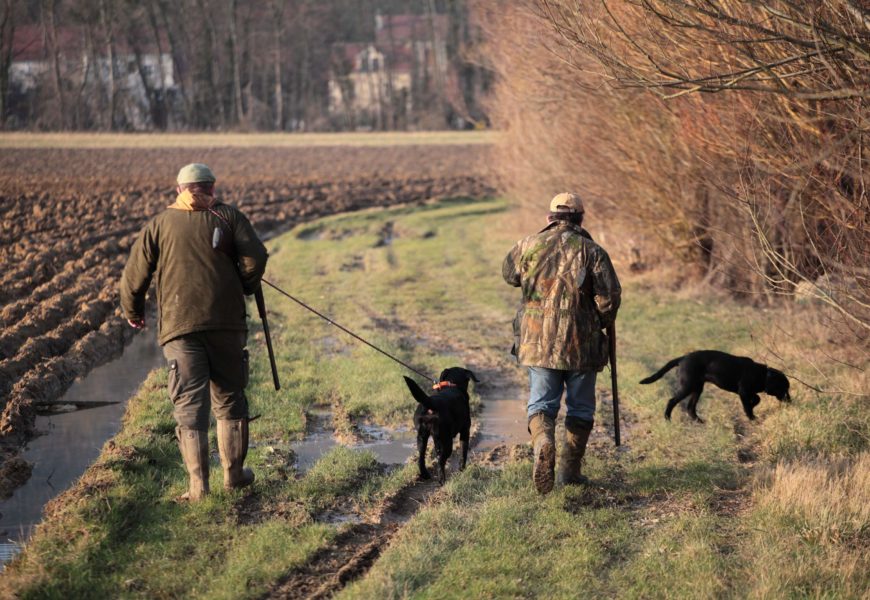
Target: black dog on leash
(443, 415)
(737, 374)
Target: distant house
(139, 73)
(376, 84)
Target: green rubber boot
(232, 436)
(193, 444)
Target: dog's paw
(424, 475)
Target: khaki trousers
(207, 370)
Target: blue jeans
(546, 387)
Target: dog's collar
(443, 384)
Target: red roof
(395, 37)
(29, 43)
(405, 29)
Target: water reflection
(72, 440)
(502, 421)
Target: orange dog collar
(443, 384)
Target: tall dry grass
(810, 529)
(731, 140)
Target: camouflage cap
(194, 173)
(566, 202)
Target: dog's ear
(471, 375)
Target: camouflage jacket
(570, 293)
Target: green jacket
(570, 293)
(198, 288)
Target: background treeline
(227, 64)
(730, 135)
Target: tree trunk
(111, 88)
(150, 91)
(277, 34)
(49, 28)
(174, 50)
(238, 109)
(160, 110)
(215, 99)
(436, 56)
(7, 33)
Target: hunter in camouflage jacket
(570, 293)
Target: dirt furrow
(355, 550)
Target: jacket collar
(188, 200)
(565, 224)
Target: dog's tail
(661, 372)
(418, 393)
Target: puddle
(502, 421)
(385, 235)
(391, 446)
(73, 440)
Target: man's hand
(136, 323)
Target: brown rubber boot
(576, 436)
(232, 435)
(543, 430)
(193, 444)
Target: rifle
(261, 308)
(611, 340)
(222, 243)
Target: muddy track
(352, 553)
(69, 218)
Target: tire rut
(353, 552)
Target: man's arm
(605, 287)
(510, 268)
(250, 252)
(137, 276)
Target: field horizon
(17, 139)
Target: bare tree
(48, 15)
(7, 34)
(737, 130)
(107, 25)
(277, 7)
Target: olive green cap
(194, 173)
(566, 202)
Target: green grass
(211, 140)
(675, 516)
(119, 528)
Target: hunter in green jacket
(570, 293)
(205, 257)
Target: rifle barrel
(611, 339)
(261, 308)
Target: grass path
(728, 509)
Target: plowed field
(69, 218)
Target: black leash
(347, 331)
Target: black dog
(737, 374)
(443, 415)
